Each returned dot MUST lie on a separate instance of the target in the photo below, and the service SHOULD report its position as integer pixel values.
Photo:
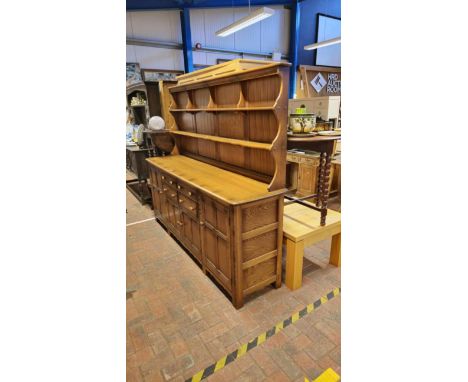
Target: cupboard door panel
(210, 247)
(156, 200)
(307, 178)
(210, 211)
(224, 261)
(191, 233)
(195, 234)
(222, 219)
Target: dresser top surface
(224, 185)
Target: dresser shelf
(221, 109)
(231, 141)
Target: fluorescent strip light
(321, 44)
(252, 18)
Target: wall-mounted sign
(334, 83)
(318, 82)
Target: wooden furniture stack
(222, 195)
(304, 173)
(325, 146)
(139, 112)
(136, 163)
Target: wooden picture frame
(307, 73)
(156, 75)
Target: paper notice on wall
(319, 82)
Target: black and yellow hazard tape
(328, 375)
(226, 360)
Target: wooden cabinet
(306, 171)
(222, 196)
(235, 237)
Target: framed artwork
(155, 75)
(133, 73)
(328, 27)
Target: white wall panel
(247, 39)
(212, 57)
(197, 26)
(156, 25)
(215, 19)
(129, 25)
(159, 58)
(275, 32)
(269, 35)
(131, 53)
(199, 58)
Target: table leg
(294, 259)
(335, 250)
(325, 189)
(321, 174)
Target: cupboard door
(172, 215)
(155, 192)
(224, 262)
(191, 233)
(307, 179)
(216, 241)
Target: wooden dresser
(222, 195)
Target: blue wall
(308, 25)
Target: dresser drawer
(169, 192)
(168, 179)
(188, 204)
(187, 190)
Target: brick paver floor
(179, 322)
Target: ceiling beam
(146, 5)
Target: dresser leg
(294, 260)
(237, 300)
(335, 250)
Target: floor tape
(328, 375)
(202, 374)
(140, 221)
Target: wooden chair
(301, 228)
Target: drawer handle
(160, 192)
(191, 208)
(172, 195)
(170, 182)
(178, 187)
(190, 193)
(180, 223)
(202, 223)
(181, 200)
(163, 177)
(164, 189)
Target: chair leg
(294, 260)
(335, 250)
